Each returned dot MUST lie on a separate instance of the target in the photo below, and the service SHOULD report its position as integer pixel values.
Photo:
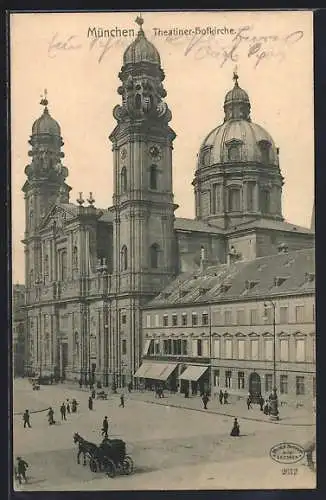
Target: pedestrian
(235, 431)
(205, 400)
(21, 468)
(80, 383)
(105, 427)
(51, 416)
(221, 396)
(261, 403)
(26, 418)
(225, 397)
(266, 408)
(63, 411)
(187, 392)
(249, 402)
(90, 403)
(122, 401)
(129, 387)
(74, 406)
(93, 394)
(68, 406)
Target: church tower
(45, 185)
(238, 178)
(144, 242)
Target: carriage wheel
(93, 465)
(109, 468)
(128, 465)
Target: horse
(85, 448)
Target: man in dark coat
(235, 431)
(220, 396)
(105, 427)
(68, 406)
(21, 468)
(261, 403)
(90, 403)
(63, 411)
(226, 396)
(50, 416)
(205, 400)
(249, 402)
(122, 401)
(26, 417)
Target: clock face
(155, 152)
(123, 153)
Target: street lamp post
(274, 413)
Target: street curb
(30, 412)
(224, 414)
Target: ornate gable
(56, 219)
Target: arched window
(75, 257)
(31, 277)
(124, 258)
(234, 152)
(265, 201)
(123, 179)
(138, 101)
(153, 177)
(63, 274)
(234, 200)
(154, 254)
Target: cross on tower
(140, 21)
(235, 76)
(44, 101)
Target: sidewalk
(288, 415)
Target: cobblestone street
(172, 447)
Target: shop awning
(166, 372)
(155, 371)
(193, 372)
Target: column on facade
(71, 343)
(70, 256)
(99, 350)
(256, 204)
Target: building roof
(273, 225)
(275, 275)
(182, 224)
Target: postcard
(163, 319)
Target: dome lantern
(236, 102)
(46, 124)
(141, 50)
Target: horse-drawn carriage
(101, 395)
(109, 457)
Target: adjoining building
(90, 271)
(19, 354)
(214, 329)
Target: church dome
(46, 124)
(238, 139)
(141, 50)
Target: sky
(273, 55)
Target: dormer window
(279, 280)
(264, 147)
(206, 158)
(310, 277)
(250, 284)
(225, 287)
(234, 152)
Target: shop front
(150, 375)
(194, 380)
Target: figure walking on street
(26, 418)
(63, 411)
(249, 402)
(90, 403)
(122, 401)
(68, 406)
(225, 397)
(21, 468)
(50, 416)
(105, 427)
(129, 387)
(205, 400)
(221, 397)
(261, 403)
(235, 431)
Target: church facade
(90, 272)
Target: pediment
(56, 218)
